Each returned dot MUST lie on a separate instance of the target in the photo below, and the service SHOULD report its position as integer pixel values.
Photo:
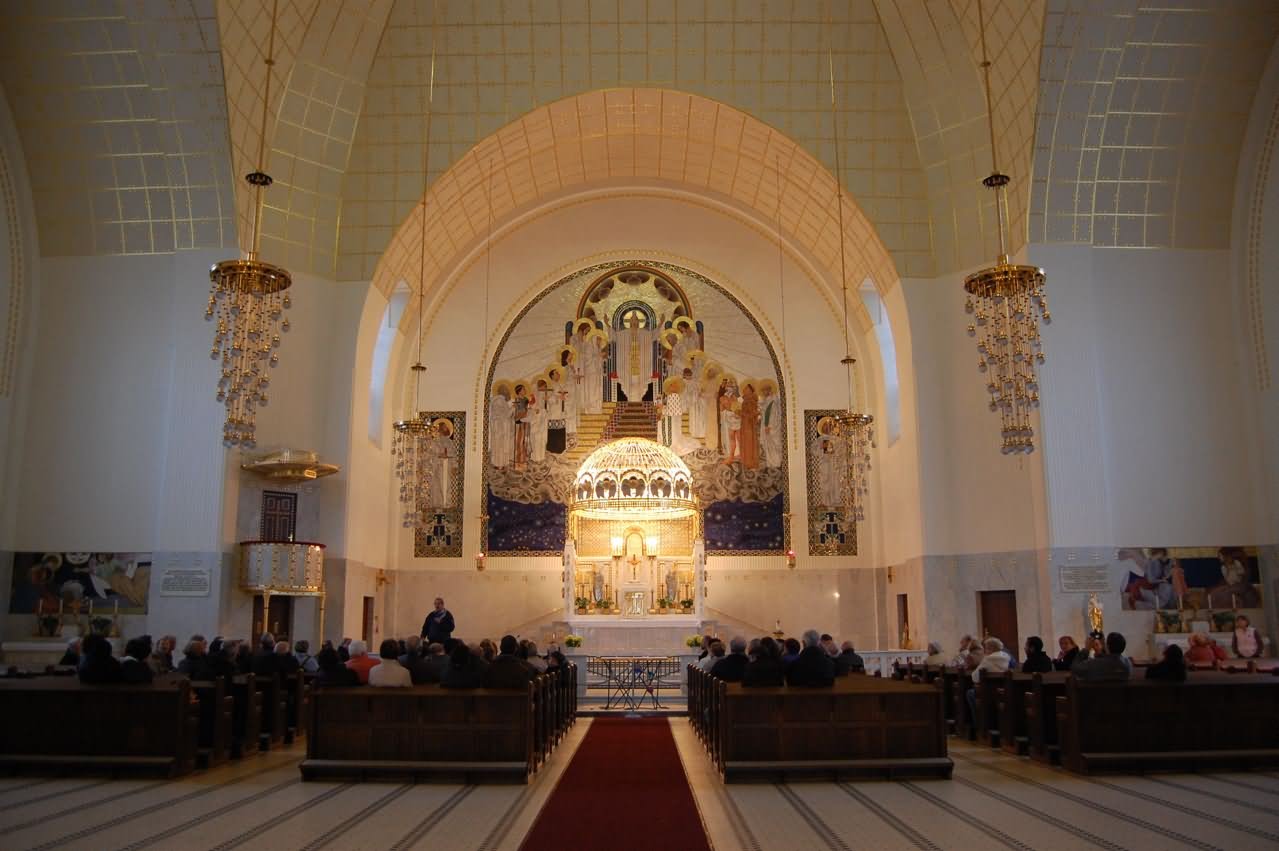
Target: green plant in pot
(100, 625)
(662, 605)
(572, 641)
(48, 625)
(582, 604)
(686, 605)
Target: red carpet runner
(625, 789)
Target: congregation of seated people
(509, 664)
(815, 661)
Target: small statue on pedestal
(1094, 614)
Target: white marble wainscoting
(952, 585)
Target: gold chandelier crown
(630, 477)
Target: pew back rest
(60, 717)
(423, 723)
(1208, 712)
(860, 717)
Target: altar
(634, 561)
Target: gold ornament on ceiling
(248, 298)
(1006, 302)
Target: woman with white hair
(996, 659)
(935, 655)
(361, 662)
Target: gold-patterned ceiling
(138, 117)
(122, 115)
(1142, 111)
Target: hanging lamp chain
(418, 367)
(258, 178)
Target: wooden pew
(948, 678)
(274, 705)
(965, 723)
(986, 694)
(1039, 707)
(861, 727)
(57, 724)
(246, 723)
(296, 693)
(217, 714)
(1014, 687)
(1212, 721)
(422, 733)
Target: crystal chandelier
(248, 298)
(414, 437)
(1006, 302)
(855, 432)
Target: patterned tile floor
(993, 801)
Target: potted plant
(48, 625)
(687, 606)
(572, 641)
(582, 604)
(663, 605)
(693, 641)
(100, 625)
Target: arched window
(382, 358)
(887, 357)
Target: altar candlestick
(115, 612)
(60, 601)
(90, 608)
(1180, 604)
(39, 607)
(1234, 601)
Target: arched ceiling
(122, 117)
(1142, 112)
(938, 47)
(139, 119)
(651, 135)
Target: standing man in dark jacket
(438, 626)
(813, 666)
(731, 667)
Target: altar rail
(860, 727)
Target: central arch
(676, 138)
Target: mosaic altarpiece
(638, 348)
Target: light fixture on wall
(248, 298)
(1006, 301)
(855, 429)
(479, 562)
(414, 436)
